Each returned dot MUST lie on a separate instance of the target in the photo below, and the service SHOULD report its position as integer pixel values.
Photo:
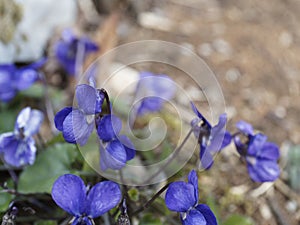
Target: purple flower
(154, 90)
(13, 79)
(67, 49)
(70, 193)
(261, 156)
(18, 147)
(115, 149)
(211, 139)
(77, 124)
(182, 197)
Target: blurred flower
(18, 147)
(70, 193)
(211, 139)
(77, 124)
(154, 90)
(183, 197)
(115, 149)
(261, 156)
(13, 79)
(66, 50)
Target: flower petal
(60, 117)
(69, 193)
(19, 153)
(103, 197)
(180, 196)
(113, 156)
(129, 147)
(269, 151)
(5, 140)
(263, 170)
(7, 91)
(87, 98)
(109, 127)
(194, 217)
(256, 144)
(193, 179)
(245, 127)
(76, 129)
(208, 214)
(25, 77)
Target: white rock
(152, 20)
(39, 20)
(222, 47)
(232, 74)
(205, 49)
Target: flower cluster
(14, 79)
(67, 49)
(70, 193)
(261, 156)
(18, 147)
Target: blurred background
(251, 46)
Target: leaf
(7, 120)
(45, 222)
(5, 199)
(50, 164)
(238, 220)
(134, 194)
(35, 91)
(149, 219)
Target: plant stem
(176, 152)
(148, 203)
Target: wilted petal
(19, 153)
(245, 127)
(86, 97)
(194, 217)
(193, 179)
(208, 214)
(180, 196)
(129, 147)
(69, 193)
(109, 127)
(263, 170)
(60, 117)
(102, 197)
(76, 129)
(113, 156)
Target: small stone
(280, 112)
(222, 47)
(291, 206)
(232, 75)
(286, 39)
(205, 49)
(152, 20)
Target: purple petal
(256, 144)
(87, 98)
(269, 151)
(61, 116)
(79, 220)
(208, 214)
(150, 104)
(66, 53)
(245, 127)
(193, 179)
(29, 121)
(25, 78)
(89, 45)
(180, 196)
(103, 197)
(19, 153)
(5, 140)
(76, 128)
(194, 217)
(129, 147)
(109, 127)
(113, 156)
(69, 193)
(263, 170)
(206, 160)
(7, 91)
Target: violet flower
(182, 197)
(77, 123)
(211, 139)
(261, 156)
(70, 193)
(67, 49)
(18, 147)
(115, 149)
(14, 79)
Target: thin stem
(148, 203)
(106, 99)
(176, 152)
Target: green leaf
(50, 164)
(35, 91)
(149, 219)
(7, 120)
(238, 220)
(5, 199)
(134, 194)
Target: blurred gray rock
(39, 19)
